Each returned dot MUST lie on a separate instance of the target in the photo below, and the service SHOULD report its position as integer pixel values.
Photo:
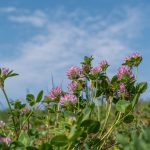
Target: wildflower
(68, 98)
(136, 55)
(72, 87)
(124, 70)
(5, 71)
(133, 60)
(74, 73)
(104, 65)
(5, 140)
(122, 88)
(96, 70)
(55, 93)
(128, 58)
(2, 124)
(76, 86)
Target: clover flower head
(96, 70)
(103, 62)
(136, 55)
(74, 72)
(128, 58)
(55, 93)
(73, 86)
(2, 124)
(133, 60)
(122, 88)
(124, 70)
(5, 140)
(68, 98)
(5, 71)
(104, 65)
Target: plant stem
(91, 90)
(107, 116)
(26, 119)
(78, 105)
(87, 91)
(96, 89)
(110, 129)
(106, 136)
(136, 72)
(98, 106)
(6, 97)
(69, 146)
(57, 116)
(98, 113)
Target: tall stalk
(27, 119)
(106, 136)
(106, 120)
(98, 107)
(136, 72)
(6, 97)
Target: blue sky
(40, 38)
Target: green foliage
(141, 87)
(91, 126)
(59, 140)
(24, 139)
(135, 140)
(97, 112)
(122, 106)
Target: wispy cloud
(7, 9)
(65, 43)
(38, 18)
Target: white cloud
(38, 18)
(65, 43)
(7, 9)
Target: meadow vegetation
(97, 112)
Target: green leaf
(124, 140)
(135, 100)
(91, 126)
(114, 79)
(122, 105)
(39, 97)
(86, 113)
(31, 148)
(74, 133)
(59, 140)
(31, 99)
(104, 84)
(24, 138)
(128, 119)
(45, 146)
(13, 74)
(92, 77)
(16, 144)
(142, 87)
